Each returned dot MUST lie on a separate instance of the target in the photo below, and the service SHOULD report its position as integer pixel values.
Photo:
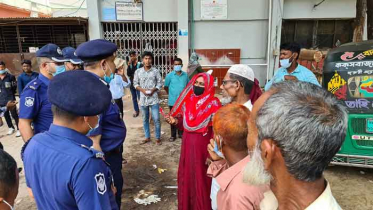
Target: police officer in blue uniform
(61, 170)
(34, 105)
(98, 57)
(72, 61)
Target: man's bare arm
(25, 129)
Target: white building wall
(334, 9)
(153, 10)
(35, 5)
(69, 8)
(246, 28)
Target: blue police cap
(95, 50)
(51, 51)
(80, 93)
(69, 55)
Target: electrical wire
(318, 4)
(81, 5)
(60, 9)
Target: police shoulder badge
(29, 102)
(101, 184)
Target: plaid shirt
(148, 80)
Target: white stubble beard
(226, 98)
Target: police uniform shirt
(63, 174)
(8, 88)
(111, 127)
(34, 104)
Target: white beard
(254, 172)
(226, 100)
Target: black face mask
(198, 90)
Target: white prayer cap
(242, 70)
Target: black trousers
(9, 120)
(119, 102)
(115, 161)
(174, 129)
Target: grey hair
(246, 83)
(307, 123)
(41, 60)
(91, 63)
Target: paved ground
(352, 187)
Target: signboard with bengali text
(129, 11)
(348, 74)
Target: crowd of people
(246, 150)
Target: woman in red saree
(193, 112)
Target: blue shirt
(111, 128)
(301, 73)
(34, 104)
(117, 85)
(65, 174)
(176, 84)
(24, 79)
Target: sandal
(172, 139)
(158, 142)
(145, 141)
(136, 114)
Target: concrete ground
(352, 187)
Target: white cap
(242, 70)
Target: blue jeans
(135, 97)
(156, 119)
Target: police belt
(113, 152)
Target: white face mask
(285, 63)
(11, 207)
(91, 129)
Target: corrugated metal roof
(43, 21)
(43, 18)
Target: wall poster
(214, 9)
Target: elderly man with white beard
(295, 130)
(240, 86)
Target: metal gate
(160, 37)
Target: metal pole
(269, 37)
(19, 39)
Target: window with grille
(162, 37)
(317, 34)
(40, 35)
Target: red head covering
(256, 92)
(197, 111)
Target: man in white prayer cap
(239, 85)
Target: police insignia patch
(29, 102)
(100, 181)
(59, 51)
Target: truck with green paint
(348, 74)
